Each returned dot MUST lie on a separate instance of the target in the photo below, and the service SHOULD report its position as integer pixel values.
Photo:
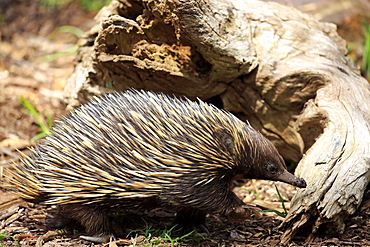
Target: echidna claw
(100, 239)
(253, 209)
(204, 228)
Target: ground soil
(27, 41)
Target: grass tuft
(4, 235)
(163, 237)
(43, 124)
(366, 54)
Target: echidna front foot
(241, 213)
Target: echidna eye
(272, 169)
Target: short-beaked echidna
(121, 148)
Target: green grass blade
(40, 120)
(275, 211)
(281, 200)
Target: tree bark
(282, 70)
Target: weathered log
(282, 70)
